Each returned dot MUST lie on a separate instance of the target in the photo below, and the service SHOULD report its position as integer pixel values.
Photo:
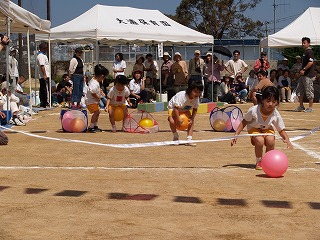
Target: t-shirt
(236, 67)
(251, 82)
(43, 61)
(182, 101)
(135, 86)
(116, 97)
(63, 84)
(307, 57)
(118, 65)
(255, 120)
(93, 88)
(284, 82)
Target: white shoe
(11, 121)
(18, 122)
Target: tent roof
(306, 25)
(21, 19)
(123, 25)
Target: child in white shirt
(93, 96)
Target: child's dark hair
(270, 92)
(194, 85)
(121, 79)
(120, 55)
(100, 70)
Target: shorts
(305, 87)
(186, 112)
(258, 131)
(124, 107)
(93, 107)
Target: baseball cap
(197, 52)
(166, 54)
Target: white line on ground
(307, 151)
(142, 168)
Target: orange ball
(219, 125)
(77, 125)
(118, 114)
(146, 122)
(184, 117)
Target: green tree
(218, 17)
(292, 52)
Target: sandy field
(57, 188)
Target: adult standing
(77, 76)
(196, 67)
(119, 65)
(139, 65)
(298, 65)
(214, 77)
(13, 69)
(44, 74)
(262, 63)
(307, 73)
(284, 64)
(166, 75)
(179, 72)
(151, 67)
(235, 66)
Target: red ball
(274, 163)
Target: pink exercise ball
(66, 120)
(274, 163)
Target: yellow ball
(146, 122)
(118, 114)
(219, 125)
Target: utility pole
(48, 10)
(274, 15)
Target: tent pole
(97, 53)
(212, 72)
(29, 67)
(7, 68)
(49, 77)
(36, 75)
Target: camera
(198, 69)
(1, 38)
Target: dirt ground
(76, 190)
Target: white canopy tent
(306, 25)
(125, 25)
(122, 25)
(18, 20)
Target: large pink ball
(66, 124)
(274, 163)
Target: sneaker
(284, 101)
(242, 101)
(97, 129)
(114, 129)
(92, 130)
(258, 166)
(309, 110)
(11, 121)
(299, 109)
(18, 122)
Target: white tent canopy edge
(306, 25)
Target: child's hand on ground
(289, 144)
(233, 141)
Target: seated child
(182, 102)
(93, 96)
(117, 97)
(17, 118)
(284, 83)
(262, 118)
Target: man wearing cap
(196, 67)
(165, 69)
(262, 63)
(297, 66)
(235, 66)
(13, 69)
(77, 77)
(44, 74)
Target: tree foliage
(292, 52)
(218, 17)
